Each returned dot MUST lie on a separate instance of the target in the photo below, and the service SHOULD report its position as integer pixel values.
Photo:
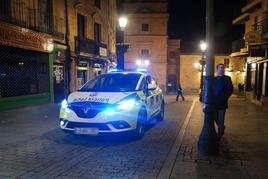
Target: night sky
(187, 22)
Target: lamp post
(203, 47)
(121, 47)
(207, 142)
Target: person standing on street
(179, 93)
(223, 89)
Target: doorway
(58, 77)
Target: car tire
(141, 124)
(161, 115)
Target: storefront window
(82, 73)
(23, 72)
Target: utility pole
(208, 143)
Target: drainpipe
(68, 57)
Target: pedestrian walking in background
(223, 89)
(179, 93)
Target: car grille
(88, 109)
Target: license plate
(86, 131)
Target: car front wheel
(161, 114)
(141, 124)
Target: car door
(159, 99)
(151, 98)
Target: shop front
(25, 67)
(88, 68)
(91, 60)
(82, 73)
(257, 74)
(60, 71)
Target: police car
(112, 103)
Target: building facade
(190, 71)
(253, 49)
(92, 38)
(146, 33)
(49, 48)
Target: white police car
(111, 103)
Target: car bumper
(102, 123)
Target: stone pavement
(34, 147)
(243, 149)
(26, 123)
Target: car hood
(101, 97)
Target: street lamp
(122, 23)
(203, 47)
(121, 47)
(197, 65)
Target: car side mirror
(151, 86)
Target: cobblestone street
(32, 146)
(53, 154)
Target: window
(45, 15)
(113, 83)
(5, 8)
(148, 79)
(81, 25)
(226, 62)
(143, 84)
(98, 3)
(144, 27)
(145, 54)
(97, 32)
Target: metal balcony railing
(238, 44)
(84, 45)
(90, 46)
(261, 26)
(16, 12)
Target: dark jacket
(222, 89)
(179, 89)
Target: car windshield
(112, 83)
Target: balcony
(262, 27)
(252, 6)
(88, 46)
(15, 12)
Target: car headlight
(64, 104)
(126, 105)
